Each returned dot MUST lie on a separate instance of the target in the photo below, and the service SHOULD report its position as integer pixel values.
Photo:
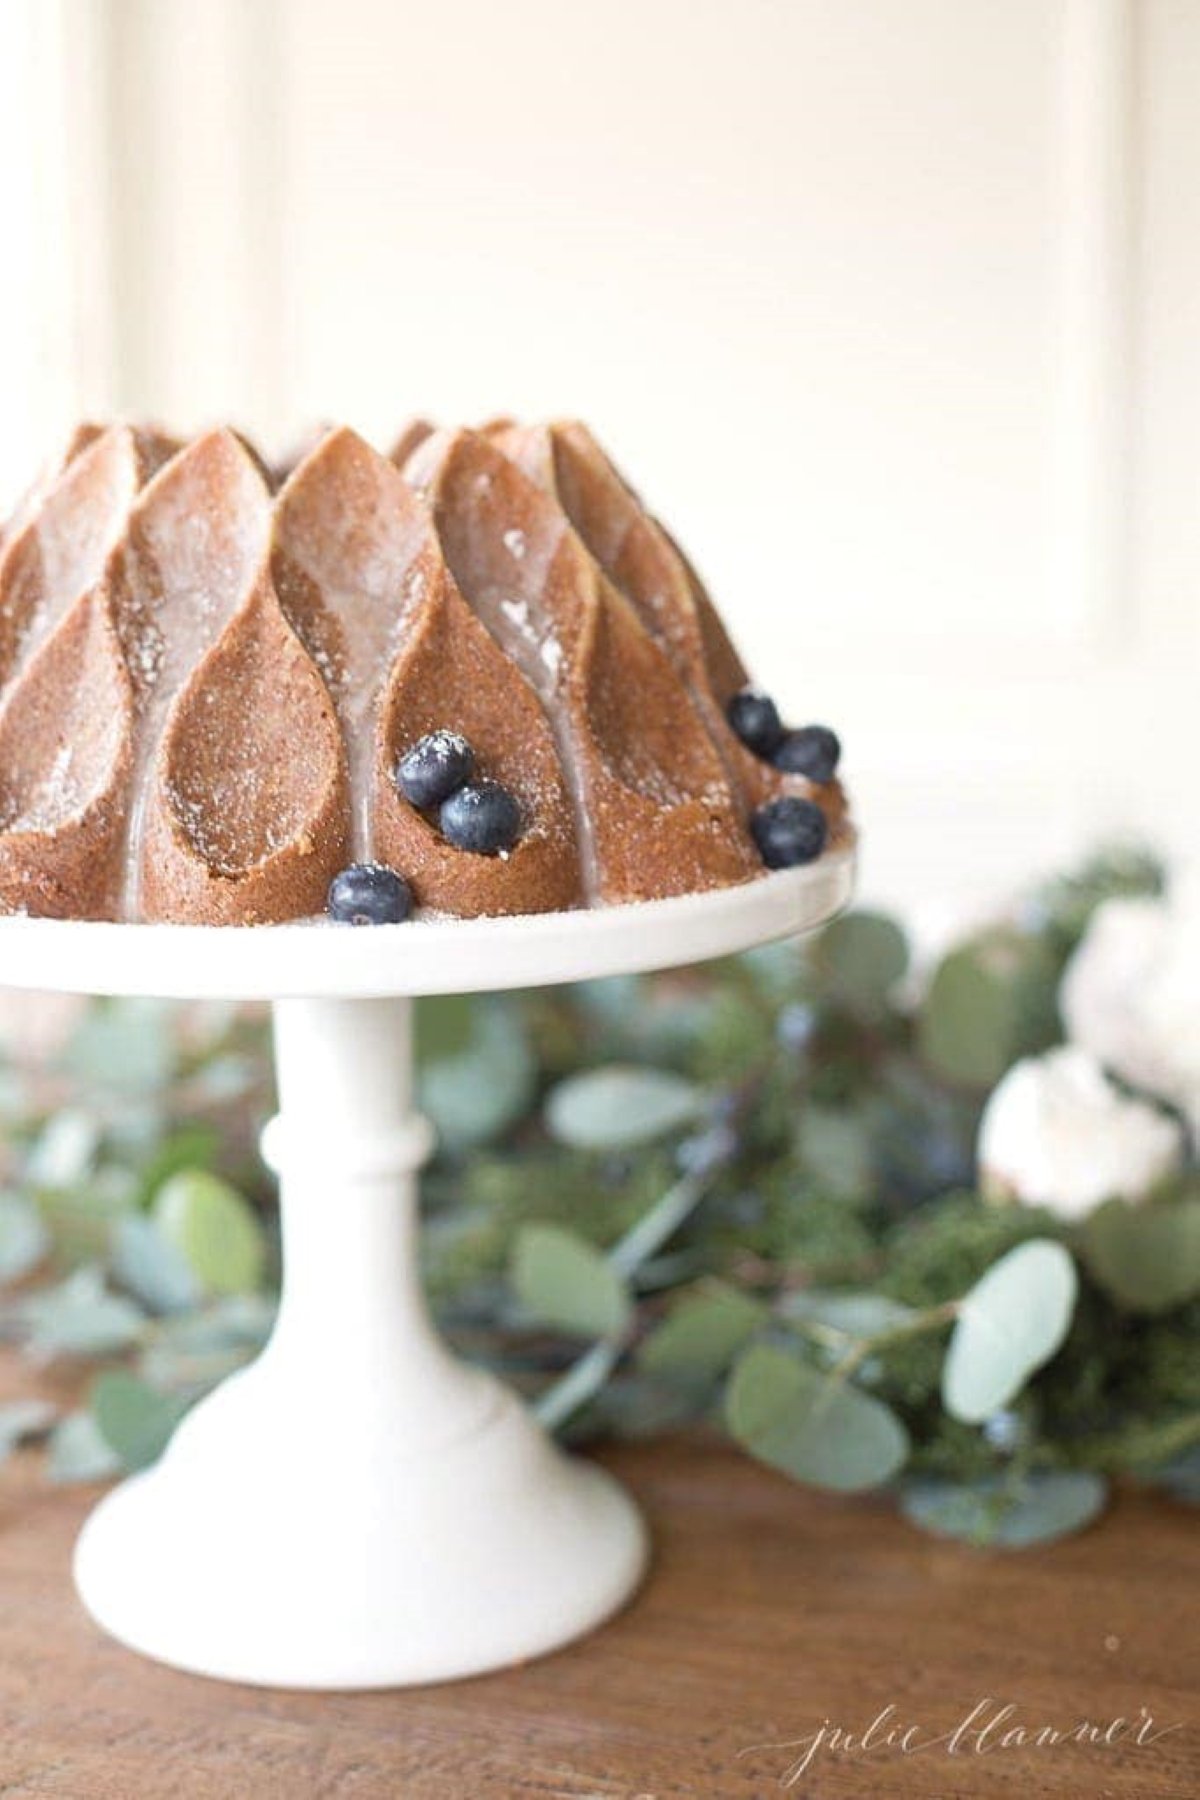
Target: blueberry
(369, 894)
(436, 765)
(789, 831)
(755, 719)
(481, 816)
(811, 751)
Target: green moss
(941, 1249)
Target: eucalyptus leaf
(80, 1219)
(79, 1317)
(618, 1107)
(77, 1451)
(1011, 1322)
(668, 1025)
(993, 1512)
(24, 1238)
(133, 1418)
(991, 1001)
(853, 1314)
(231, 1319)
(474, 1097)
(640, 1406)
(778, 968)
(65, 1151)
(215, 1229)
(858, 961)
(189, 1374)
(191, 1351)
(611, 1000)
(565, 1281)
(820, 1430)
(248, 1318)
(701, 1335)
(151, 1266)
(1147, 1257)
(224, 1079)
(125, 1045)
(445, 1026)
(191, 1147)
(834, 1148)
(133, 1129)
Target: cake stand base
(316, 1571)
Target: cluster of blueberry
(439, 772)
(474, 815)
(812, 750)
(477, 815)
(790, 830)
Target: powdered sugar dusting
(58, 796)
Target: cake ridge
(188, 584)
(347, 528)
(27, 503)
(65, 758)
(661, 813)
(60, 551)
(641, 558)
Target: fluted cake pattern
(208, 673)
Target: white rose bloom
(1058, 1133)
(1131, 994)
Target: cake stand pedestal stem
(358, 1508)
(347, 1146)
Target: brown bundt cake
(472, 677)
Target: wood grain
(769, 1611)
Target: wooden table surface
(769, 1612)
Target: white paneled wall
(22, 379)
(892, 307)
(56, 327)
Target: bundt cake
(471, 677)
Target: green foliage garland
(742, 1196)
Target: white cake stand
(358, 1508)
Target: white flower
(1058, 1133)
(1131, 994)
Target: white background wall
(891, 307)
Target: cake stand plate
(358, 1508)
